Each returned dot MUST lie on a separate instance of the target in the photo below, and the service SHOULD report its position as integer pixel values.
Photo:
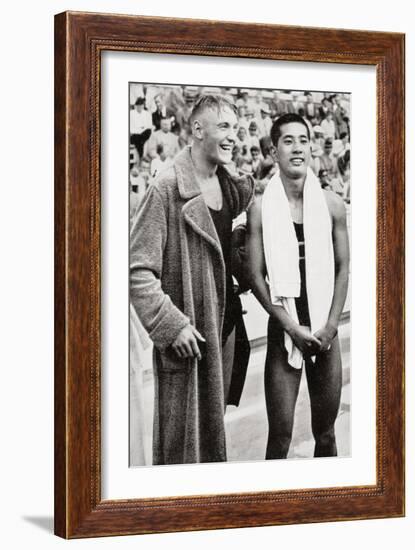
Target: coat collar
(239, 189)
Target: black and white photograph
(239, 220)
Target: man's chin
(297, 174)
(224, 159)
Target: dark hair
(140, 101)
(286, 119)
(213, 102)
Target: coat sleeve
(160, 317)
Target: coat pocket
(168, 361)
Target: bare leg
(324, 380)
(282, 383)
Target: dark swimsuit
(301, 302)
(275, 333)
(223, 223)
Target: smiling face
(293, 150)
(216, 132)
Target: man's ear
(197, 129)
(274, 152)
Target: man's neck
(204, 169)
(293, 187)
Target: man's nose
(232, 134)
(297, 147)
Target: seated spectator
(164, 137)
(161, 162)
(256, 160)
(140, 126)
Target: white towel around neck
(282, 258)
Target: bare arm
(341, 261)
(302, 336)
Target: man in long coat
(180, 286)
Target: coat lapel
(195, 212)
(239, 193)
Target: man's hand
(326, 335)
(305, 341)
(186, 345)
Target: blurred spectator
(136, 91)
(316, 152)
(325, 108)
(140, 125)
(161, 162)
(268, 165)
(328, 126)
(342, 121)
(310, 109)
(327, 160)
(301, 112)
(255, 105)
(318, 136)
(344, 171)
(295, 105)
(164, 137)
(277, 105)
(242, 140)
(183, 113)
(253, 138)
(264, 122)
(139, 181)
(324, 178)
(256, 160)
(242, 120)
(160, 111)
(344, 144)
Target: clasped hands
(309, 343)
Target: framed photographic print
(229, 277)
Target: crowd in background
(159, 129)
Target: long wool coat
(177, 277)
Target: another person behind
(298, 259)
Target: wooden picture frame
(80, 38)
